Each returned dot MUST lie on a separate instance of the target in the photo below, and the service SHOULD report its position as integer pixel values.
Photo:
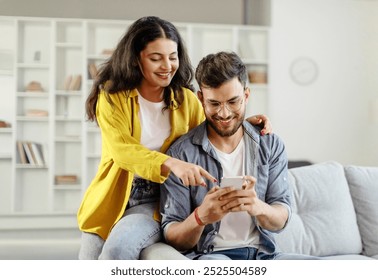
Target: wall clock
(304, 71)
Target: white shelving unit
(7, 112)
(49, 51)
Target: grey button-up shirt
(265, 159)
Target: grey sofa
(335, 214)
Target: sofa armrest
(161, 251)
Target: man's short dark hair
(216, 69)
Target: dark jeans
(143, 191)
(249, 253)
(245, 253)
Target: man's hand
(186, 234)
(211, 210)
(271, 217)
(245, 199)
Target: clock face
(304, 71)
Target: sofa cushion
(323, 221)
(363, 184)
(161, 251)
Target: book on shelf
(36, 113)
(38, 153)
(257, 77)
(108, 52)
(21, 153)
(92, 69)
(75, 83)
(30, 153)
(66, 179)
(67, 82)
(72, 83)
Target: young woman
(142, 101)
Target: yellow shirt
(122, 156)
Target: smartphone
(236, 182)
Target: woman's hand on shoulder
(262, 121)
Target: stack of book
(36, 113)
(66, 179)
(30, 153)
(257, 77)
(72, 83)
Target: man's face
(225, 106)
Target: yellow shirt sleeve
(120, 128)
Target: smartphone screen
(236, 182)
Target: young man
(227, 223)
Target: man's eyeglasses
(233, 105)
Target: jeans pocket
(143, 191)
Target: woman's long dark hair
(122, 73)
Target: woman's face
(159, 62)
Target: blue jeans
(132, 233)
(250, 253)
(244, 253)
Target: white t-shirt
(155, 123)
(237, 229)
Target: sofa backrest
(363, 185)
(323, 221)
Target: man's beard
(226, 133)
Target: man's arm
(273, 217)
(186, 234)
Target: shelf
(93, 156)
(258, 86)
(68, 139)
(31, 119)
(33, 94)
(6, 130)
(50, 52)
(5, 156)
(67, 119)
(93, 130)
(30, 166)
(263, 62)
(33, 65)
(69, 45)
(5, 72)
(97, 57)
(68, 93)
(67, 187)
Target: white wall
(207, 11)
(329, 119)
